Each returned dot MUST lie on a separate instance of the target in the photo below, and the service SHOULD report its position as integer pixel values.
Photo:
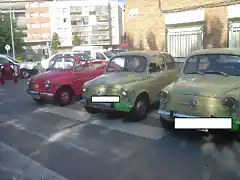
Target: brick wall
(147, 30)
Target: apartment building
(180, 27)
(18, 13)
(95, 22)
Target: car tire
(64, 96)
(40, 101)
(24, 74)
(140, 109)
(91, 110)
(166, 124)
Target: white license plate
(36, 96)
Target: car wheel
(166, 124)
(140, 109)
(38, 100)
(24, 74)
(64, 96)
(91, 110)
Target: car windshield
(109, 54)
(14, 60)
(221, 64)
(84, 56)
(63, 63)
(127, 63)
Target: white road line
(68, 113)
(24, 167)
(136, 129)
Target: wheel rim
(65, 97)
(141, 108)
(25, 74)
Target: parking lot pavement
(50, 142)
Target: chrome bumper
(166, 113)
(40, 93)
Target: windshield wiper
(196, 72)
(217, 72)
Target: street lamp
(11, 27)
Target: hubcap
(25, 74)
(141, 107)
(65, 97)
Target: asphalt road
(50, 142)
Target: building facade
(94, 22)
(181, 27)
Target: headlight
(124, 92)
(84, 88)
(163, 96)
(230, 103)
(47, 83)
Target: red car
(64, 79)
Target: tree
(55, 41)
(76, 40)
(5, 34)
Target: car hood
(208, 86)
(116, 78)
(49, 75)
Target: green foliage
(5, 33)
(75, 40)
(55, 41)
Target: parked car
(27, 68)
(208, 86)
(135, 78)
(45, 63)
(64, 79)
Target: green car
(131, 83)
(207, 91)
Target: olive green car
(208, 86)
(136, 78)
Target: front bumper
(122, 106)
(43, 95)
(169, 116)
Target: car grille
(205, 105)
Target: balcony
(79, 23)
(75, 10)
(77, 29)
(103, 28)
(75, 18)
(105, 37)
(102, 18)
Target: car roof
(233, 51)
(72, 53)
(141, 53)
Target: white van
(95, 52)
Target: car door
(157, 75)
(81, 74)
(172, 70)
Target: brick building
(182, 26)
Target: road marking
(24, 167)
(68, 113)
(136, 129)
(59, 136)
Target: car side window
(78, 66)
(100, 55)
(170, 62)
(191, 64)
(56, 57)
(4, 61)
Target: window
(44, 14)
(127, 63)
(43, 25)
(109, 54)
(64, 20)
(78, 66)
(35, 25)
(34, 14)
(100, 56)
(92, 12)
(64, 10)
(4, 60)
(170, 62)
(34, 4)
(220, 64)
(157, 65)
(45, 35)
(62, 63)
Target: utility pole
(11, 24)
